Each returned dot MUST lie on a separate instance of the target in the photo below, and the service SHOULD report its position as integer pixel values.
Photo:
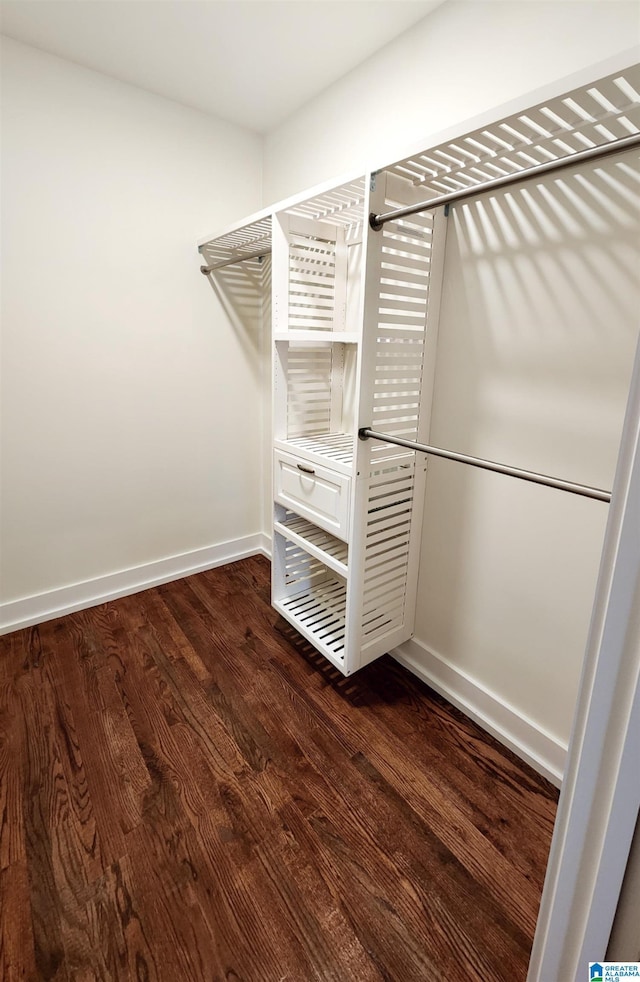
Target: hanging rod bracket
(489, 465)
(375, 224)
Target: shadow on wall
(540, 321)
(538, 328)
(243, 290)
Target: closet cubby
(328, 548)
(312, 596)
(314, 410)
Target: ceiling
(253, 62)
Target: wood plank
(118, 928)
(44, 800)
(17, 949)
(12, 846)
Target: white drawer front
(322, 497)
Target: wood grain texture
(189, 792)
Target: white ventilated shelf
(318, 543)
(313, 337)
(333, 448)
(318, 613)
(343, 205)
(591, 116)
(238, 242)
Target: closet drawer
(315, 492)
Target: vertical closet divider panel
(404, 268)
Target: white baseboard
(17, 614)
(266, 546)
(538, 748)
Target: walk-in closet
(319, 490)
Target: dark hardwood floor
(189, 792)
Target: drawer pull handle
(306, 470)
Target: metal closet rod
(592, 153)
(236, 259)
(489, 465)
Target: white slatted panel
(312, 283)
(342, 206)
(401, 328)
(320, 613)
(387, 539)
(241, 241)
(301, 570)
(587, 117)
(309, 390)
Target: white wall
(462, 59)
(526, 374)
(538, 328)
(129, 401)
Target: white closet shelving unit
(355, 315)
(347, 516)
